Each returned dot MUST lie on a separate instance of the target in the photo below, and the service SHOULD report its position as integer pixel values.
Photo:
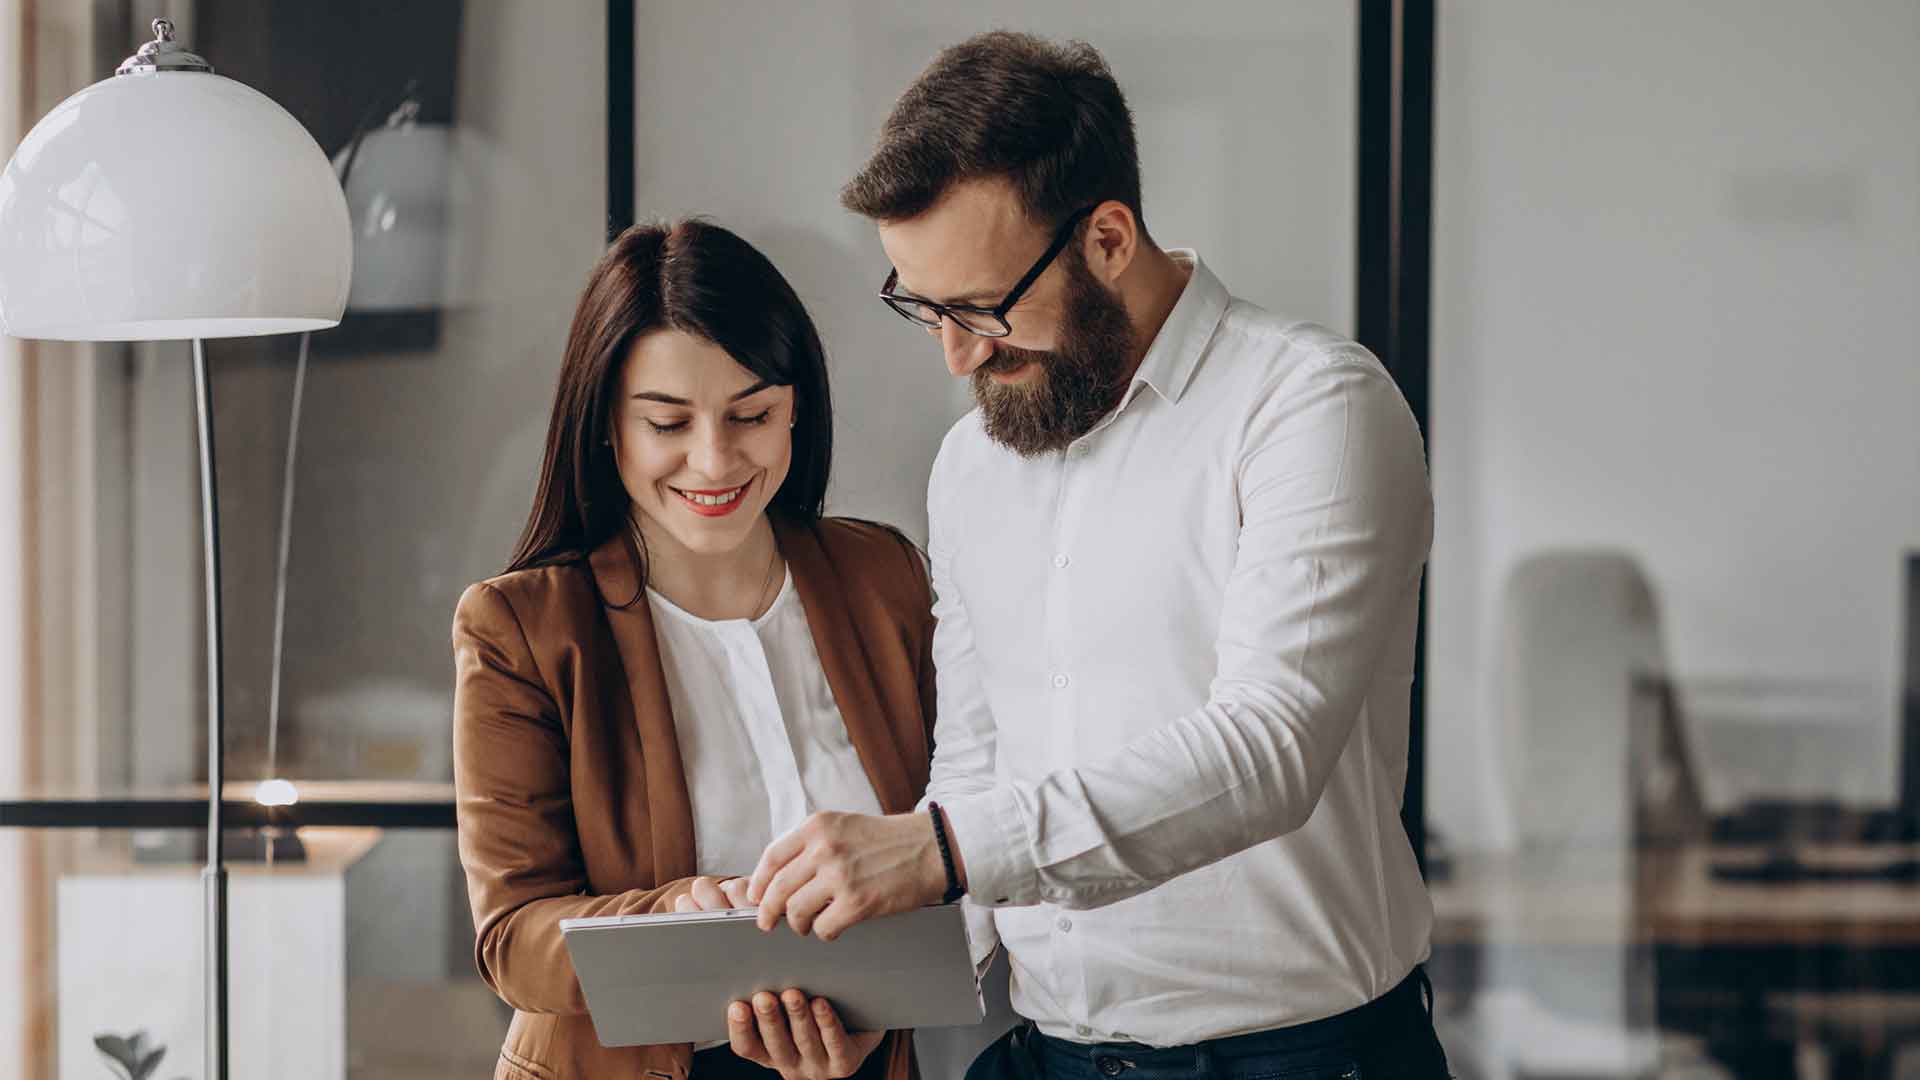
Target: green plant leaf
(117, 1051)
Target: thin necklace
(773, 556)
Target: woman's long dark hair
(696, 277)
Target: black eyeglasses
(984, 321)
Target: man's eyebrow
(973, 298)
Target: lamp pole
(214, 877)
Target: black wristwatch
(954, 889)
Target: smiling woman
(686, 342)
(702, 446)
(685, 659)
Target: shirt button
(1064, 924)
(1059, 682)
(1082, 1029)
(1061, 560)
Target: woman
(683, 658)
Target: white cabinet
(131, 948)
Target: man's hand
(837, 870)
(800, 1038)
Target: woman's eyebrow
(669, 399)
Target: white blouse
(761, 740)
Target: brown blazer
(571, 796)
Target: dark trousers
(1391, 1036)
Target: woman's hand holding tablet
(798, 1036)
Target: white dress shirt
(1174, 663)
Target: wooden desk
(1670, 898)
(1735, 962)
(1685, 905)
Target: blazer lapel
(669, 809)
(844, 658)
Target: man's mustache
(1006, 359)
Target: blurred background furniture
(1632, 927)
(1578, 628)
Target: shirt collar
(1175, 352)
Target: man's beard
(1076, 384)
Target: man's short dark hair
(1050, 118)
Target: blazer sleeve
(518, 844)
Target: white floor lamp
(168, 203)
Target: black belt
(1410, 1002)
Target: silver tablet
(668, 978)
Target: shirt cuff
(992, 841)
(983, 937)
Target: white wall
(755, 115)
(1677, 250)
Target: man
(1177, 552)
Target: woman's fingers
(743, 1035)
(707, 895)
(833, 1037)
(846, 1052)
(806, 1033)
(796, 1035)
(775, 1032)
